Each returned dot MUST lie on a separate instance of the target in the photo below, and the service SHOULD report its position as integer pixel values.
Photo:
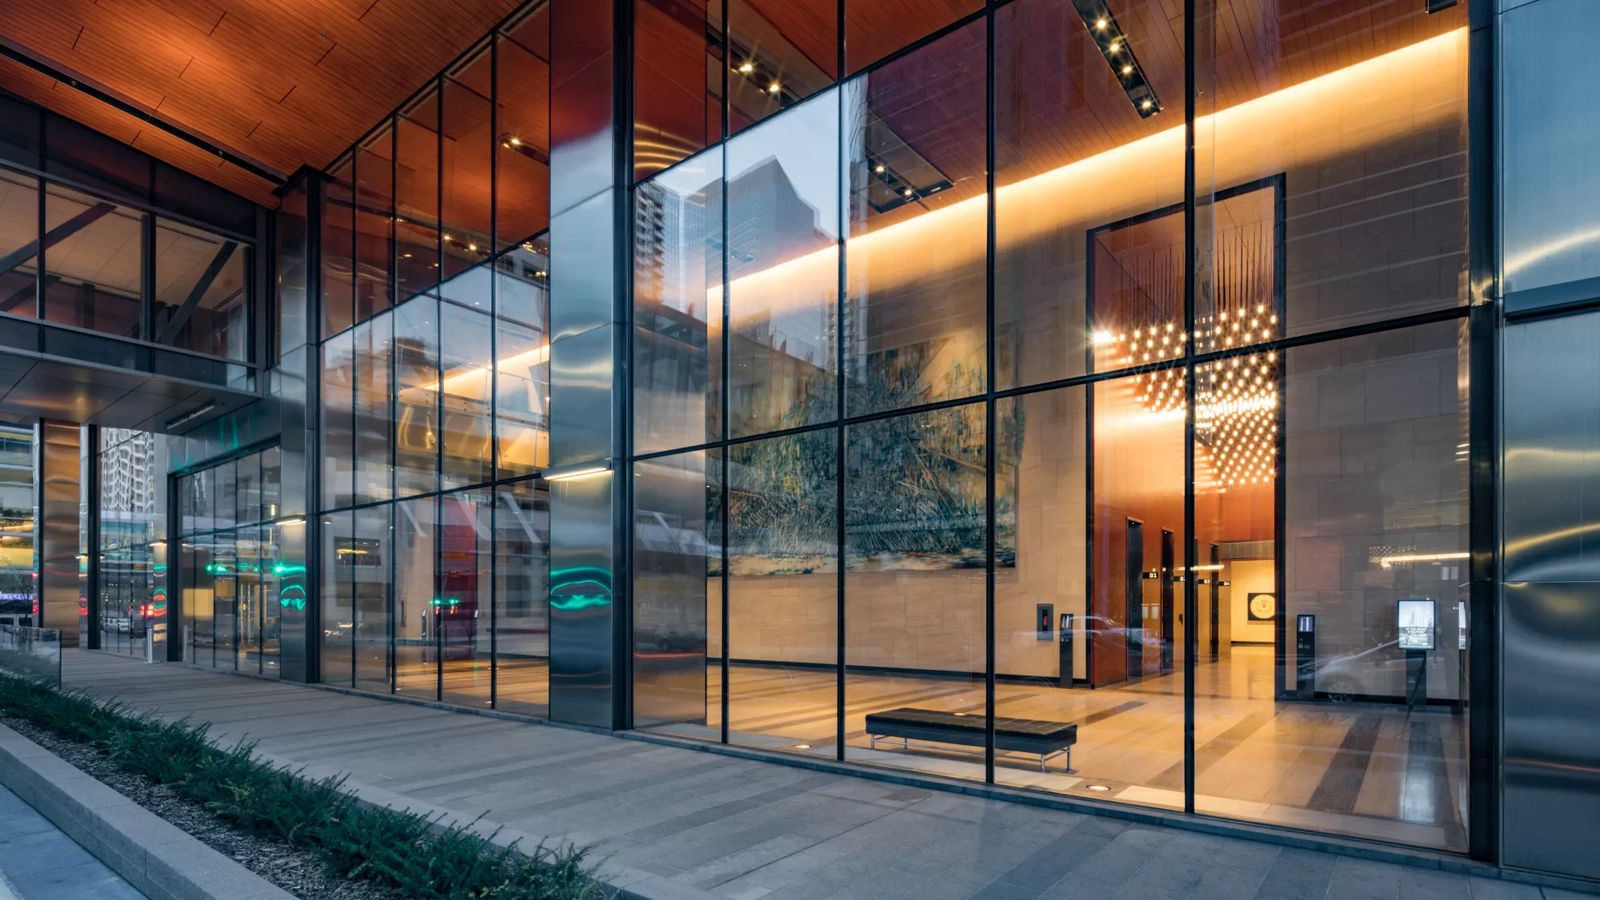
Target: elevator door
(1169, 631)
(1133, 615)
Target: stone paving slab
(673, 822)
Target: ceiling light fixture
(1109, 38)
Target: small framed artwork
(1262, 607)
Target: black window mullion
(989, 443)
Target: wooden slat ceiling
(284, 82)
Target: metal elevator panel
(1550, 601)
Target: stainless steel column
(292, 384)
(586, 327)
(57, 461)
(1550, 277)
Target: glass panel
(783, 269)
(915, 321)
(369, 563)
(779, 54)
(522, 598)
(874, 29)
(225, 600)
(337, 597)
(1371, 221)
(223, 495)
(374, 342)
(677, 585)
(338, 421)
(247, 490)
(416, 652)
(374, 224)
(1350, 730)
(783, 593)
(465, 547)
(94, 262)
(247, 588)
(416, 376)
(1132, 631)
(677, 81)
(271, 483)
(677, 307)
(19, 229)
(464, 368)
(276, 593)
(338, 248)
(915, 548)
(199, 602)
(1041, 611)
(416, 193)
(1075, 153)
(522, 349)
(466, 166)
(522, 193)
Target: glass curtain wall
(435, 388)
(1176, 476)
(115, 269)
(131, 547)
(231, 577)
(16, 524)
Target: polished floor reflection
(1368, 770)
(523, 685)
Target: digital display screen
(1415, 619)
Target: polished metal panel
(1551, 669)
(1550, 601)
(1552, 452)
(581, 394)
(583, 285)
(296, 616)
(56, 526)
(294, 376)
(1549, 152)
(582, 600)
(582, 160)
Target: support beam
(55, 236)
(207, 278)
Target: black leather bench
(938, 727)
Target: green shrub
(414, 854)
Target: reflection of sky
(804, 141)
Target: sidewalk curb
(155, 856)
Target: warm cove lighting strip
(1337, 114)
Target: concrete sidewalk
(674, 822)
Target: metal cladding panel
(296, 616)
(582, 600)
(1552, 727)
(1550, 602)
(583, 286)
(582, 121)
(60, 472)
(581, 397)
(1549, 153)
(1551, 473)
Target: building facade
(1181, 407)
